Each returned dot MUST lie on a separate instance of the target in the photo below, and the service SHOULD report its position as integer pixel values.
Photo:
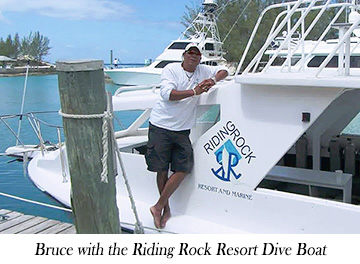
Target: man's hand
(204, 86)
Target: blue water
(41, 95)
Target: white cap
(192, 45)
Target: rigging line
(32, 116)
(69, 210)
(138, 225)
(237, 20)
(23, 101)
(35, 202)
(221, 9)
(27, 113)
(147, 227)
(12, 131)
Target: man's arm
(202, 87)
(220, 75)
(179, 95)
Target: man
(116, 61)
(171, 119)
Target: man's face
(192, 56)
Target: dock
(12, 222)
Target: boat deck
(327, 79)
(18, 223)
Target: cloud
(69, 9)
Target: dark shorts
(167, 147)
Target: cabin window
(280, 60)
(162, 64)
(333, 63)
(355, 61)
(209, 46)
(208, 116)
(211, 63)
(317, 60)
(179, 45)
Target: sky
(89, 29)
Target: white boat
(269, 153)
(203, 30)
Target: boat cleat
(4, 217)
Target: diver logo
(228, 157)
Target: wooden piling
(82, 92)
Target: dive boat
(203, 30)
(270, 155)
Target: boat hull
(134, 76)
(227, 199)
(199, 209)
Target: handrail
(34, 112)
(324, 34)
(340, 43)
(123, 89)
(35, 124)
(271, 31)
(273, 35)
(303, 36)
(255, 30)
(292, 31)
(292, 8)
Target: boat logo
(228, 157)
(229, 148)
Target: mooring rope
(34, 202)
(70, 211)
(139, 229)
(25, 162)
(62, 159)
(106, 117)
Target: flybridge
(300, 49)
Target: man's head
(192, 56)
(193, 47)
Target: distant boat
(5, 59)
(203, 30)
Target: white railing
(123, 89)
(303, 8)
(35, 123)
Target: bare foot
(156, 215)
(165, 217)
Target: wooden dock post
(82, 92)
